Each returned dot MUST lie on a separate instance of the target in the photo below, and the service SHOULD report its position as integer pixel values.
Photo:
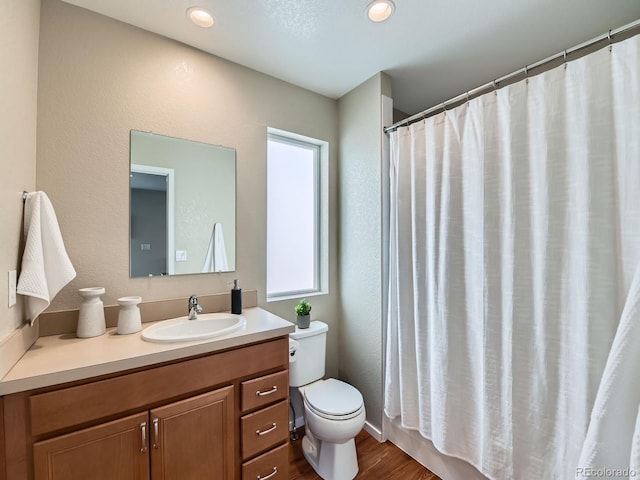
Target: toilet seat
(333, 399)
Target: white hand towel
(216, 259)
(46, 267)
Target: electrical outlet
(12, 287)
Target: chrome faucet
(194, 308)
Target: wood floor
(376, 461)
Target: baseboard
(375, 432)
(14, 346)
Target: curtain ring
(495, 87)
(467, 97)
(610, 41)
(565, 59)
(526, 73)
(443, 108)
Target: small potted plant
(303, 310)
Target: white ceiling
(433, 49)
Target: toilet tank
(309, 358)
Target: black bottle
(236, 298)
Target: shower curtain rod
(524, 72)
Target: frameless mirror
(182, 206)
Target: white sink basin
(182, 329)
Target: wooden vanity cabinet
(191, 438)
(182, 420)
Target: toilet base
(332, 461)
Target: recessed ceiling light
(200, 16)
(380, 10)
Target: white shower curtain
(514, 239)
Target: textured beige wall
(100, 78)
(361, 289)
(19, 21)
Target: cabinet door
(194, 438)
(112, 450)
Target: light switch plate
(12, 287)
(181, 255)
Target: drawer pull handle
(275, 471)
(155, 433)
(264, 432)
(274, 389)
(143, 433)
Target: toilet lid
(333, 397)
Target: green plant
(303, 308)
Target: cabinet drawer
(264, 429)
(273, 465)
(264, 390)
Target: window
(294, 198)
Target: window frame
(319, 149)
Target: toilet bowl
(334, 411)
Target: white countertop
(64, 358)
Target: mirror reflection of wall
(183, 206)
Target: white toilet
(333, 410)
